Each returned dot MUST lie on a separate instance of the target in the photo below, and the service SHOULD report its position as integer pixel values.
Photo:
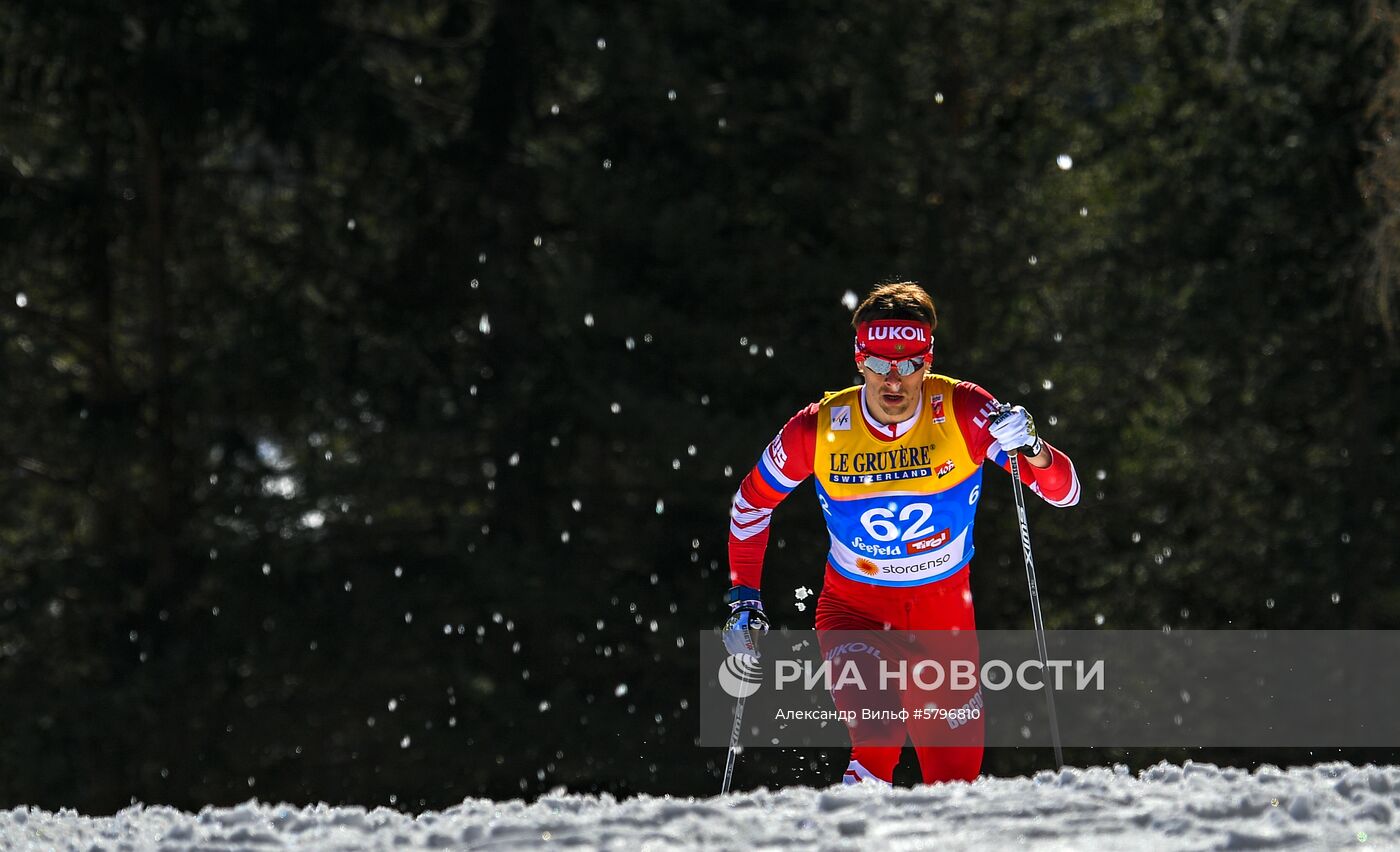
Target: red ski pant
(947, 741)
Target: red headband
(893, 338)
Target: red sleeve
(783, 465)
(1057, 484)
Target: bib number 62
(913, 522)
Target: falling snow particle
(588, 320)
(350, 225)
(671, 95)
(417, 79)
(938, 97)
(404, 743)
(621, 690)
(602, 44)
(615, 408)
(21, 300)
(1032, 260)
(660, 506)
(485, 324)
(1065, 162)
(850, 300)
(564, 536)
(607, 164)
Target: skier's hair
(897, 300)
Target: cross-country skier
(898, 465)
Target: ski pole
(734, 740)
(1035, 607)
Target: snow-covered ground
(1196, 806)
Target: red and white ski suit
(899, 501)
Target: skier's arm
(1057, 482)
(784, 464)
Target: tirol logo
(740, 676)
(933, 542)
(945, 468)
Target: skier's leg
(949, 763)
(847, 631)
(948, 733)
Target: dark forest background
(376, 375)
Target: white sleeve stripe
(742, 505)
(747, 520)
(748, 516)
(776, 473)
(744, 533)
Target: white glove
(1014, 430)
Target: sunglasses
(881, 366)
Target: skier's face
(892, 398)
